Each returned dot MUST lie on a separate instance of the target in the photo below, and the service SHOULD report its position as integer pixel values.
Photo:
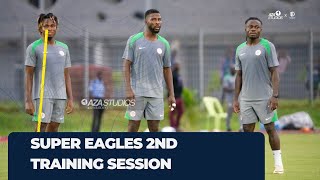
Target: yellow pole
(43, 75)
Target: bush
(189, 97)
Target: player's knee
(133, 126)
(153, 126)
(269, 128)
(246, 129)
(53, 127)
(43, 127)
(153, 129)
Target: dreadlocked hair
(42, 17)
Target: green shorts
(146, 107)
(52, 110)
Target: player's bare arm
(126, 70)
(275, 87)
(168, 78)
(236, 106)
(29, 107)
(67, 78)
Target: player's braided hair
(42, 17)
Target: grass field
(3, 161)
(13, 118)
(301, 152)
(301, 158)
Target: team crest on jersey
(159, 51)
(132, 113)
(258, 52)
(61, 53)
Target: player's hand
(273, 103)
(29, 108)
(172, 103)
(171, 100)
(69, 107)
(236, 106)
(130, 94)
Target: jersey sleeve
(128, 53)
(68, 60)
(30, 57)
(272, 58)
(167, 56)
(238, 63)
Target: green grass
(13, 118)
(300, 153)
(301, 157)
(3, 161)
(79, 121)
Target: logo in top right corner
(278, 15)
(292, 15)
(275, 15)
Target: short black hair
(253, 18)
(150, 11)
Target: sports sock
(277, 158)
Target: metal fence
(202, 61)
(200, 57)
